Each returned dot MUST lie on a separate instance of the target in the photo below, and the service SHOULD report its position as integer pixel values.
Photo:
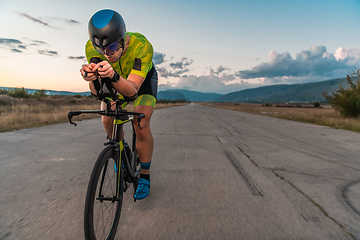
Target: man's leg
(144, 146)
(107, 121)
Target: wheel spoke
(105, 213)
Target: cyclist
(126, 59)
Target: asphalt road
(216, 174)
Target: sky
(206, 46)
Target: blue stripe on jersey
(102, 18)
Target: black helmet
(105, 27)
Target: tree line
(347, 100)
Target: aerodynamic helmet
(107, 31)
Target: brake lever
(70, 116)
(139, 117)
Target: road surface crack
(345, 195)
(316, 204)
(284, 170)
(218, 124)
(308, 174)
(273, 170)
(256, 191)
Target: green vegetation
(39, 93)
(37, 111)
(316, 104)
(3, 91)
(23, 93)
(15, 92)
(347, 100)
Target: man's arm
(90, 75)
(127, 87)
(92, 88)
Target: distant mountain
(188, 95)
(311, 92)
(52, 92)
(170, 95)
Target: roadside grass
(324, 116)
(20, 113)
(27, 113)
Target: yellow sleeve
(143, 59)
(90, 52)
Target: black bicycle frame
(120, 118)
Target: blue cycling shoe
(142, 190)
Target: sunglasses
(109, 50)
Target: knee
(145, 128)
(106, 120)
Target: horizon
(177, 89)
(43, 48)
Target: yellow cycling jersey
(137, 59)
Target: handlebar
(139, 116)
(118, 112)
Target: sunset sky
(206, 46)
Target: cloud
(219, 70)
(16, 50)
(350, 55)
(173, 69)
(18, 46)
(227, 77)
(165, 86)
(208, 83)
(166, 73)
(183, 63)
(13, 45)
(37, 42)
(48, 53)
(76, 58)
(158, 58)
(9, 41)
(315, 61)
(36, 20)
(311, 65)
(69, 21)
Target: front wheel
(102, 206)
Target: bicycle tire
(135, 161)
(99, 178)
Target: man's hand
(88, 73)
(104, 69)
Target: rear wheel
(136, 166)
(102, 206)
(134, 159)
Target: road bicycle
(116, 168)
